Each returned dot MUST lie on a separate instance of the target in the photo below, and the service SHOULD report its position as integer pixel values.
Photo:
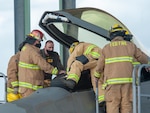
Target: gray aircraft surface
(67, 26)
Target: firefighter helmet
(71, 49)
(116, 30)
(37, 34)
(12, 97)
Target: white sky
(133, 13)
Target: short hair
(49, 41)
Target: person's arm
(12, 74)
(60, 67)
(58, 62)
(12, 71)
(141, 56)
(77, 52)
(100, 66)
(41, 62)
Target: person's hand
(62, 72)
(147, 69)
(96, 79)
(16, 90)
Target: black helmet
(116, 30)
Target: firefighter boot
(69, 83)
(102, 107)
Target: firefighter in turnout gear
(32, 65)
(53, 59)
(116, 64)
(12, 74)
(83, 56)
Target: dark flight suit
(54, 60)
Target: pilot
(116, 65)
(53, 59)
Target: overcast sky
(133, 13)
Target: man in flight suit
(116, 64)
(53, 59)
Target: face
(49, 46)
(37, 43)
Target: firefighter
(101, 97)
(12, 75)
(53, 59)
(32, 65)
(116, 64)
(83, 56)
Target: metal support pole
(65, 4)
(21, 20)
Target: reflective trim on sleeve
(135, 63)
(95, 55)
(118, 59)
(29, 66)
(89, 51)
(9, 90)
(97, 75)
(15, 83)
(55, 71)
(101, 98)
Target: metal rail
(137, 87)
(5, 88)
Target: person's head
(72, 47)
(49, 47)
(115, 31)
(35, 38)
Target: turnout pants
(119, 98)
